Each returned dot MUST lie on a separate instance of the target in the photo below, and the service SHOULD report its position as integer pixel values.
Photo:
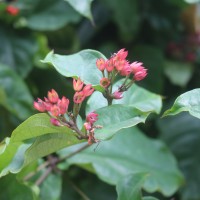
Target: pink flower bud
(92, 117)
(126, 70)
(88, 90)
(87, 126)
(109, 64)
(63, 105)
(39, 105)
(117, 95)
(79, 97)
(55, 122)
(12, 10)
(139, 71)
(53, 96)
(55, 111)
(100, 63)
(105, 82)
(77, 84)
(119, 65)
(122, 54)
(140, 75)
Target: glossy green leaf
(116, 117)
(132, 152)
(46, 139)
(82, 6)
(136, 96)
(81, 64)
(189, 101)
(178, 73)
(13, 189)
(17, 50)
(14, 94)
(129, 187)
(182, 134)
(47, 14)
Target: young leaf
(189, 101)
(81, 64)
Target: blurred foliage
(156, 34)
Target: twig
(44, 176)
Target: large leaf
(132, 152)
(182, 134)
(45, 139)
(47, 14)
(129, 187)
(82, 6)
(17, 50)
(189, 101)
(81, 64)
(14, 95)
(116, 117)
(13, 189)
(135, 96)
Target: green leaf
(47, 139)
(149, 198)
(47, 14)
(17, 50)
(189, 101)
(129, 187)
(181, 133)
(116, 117)
(13, 189)
(82, 6)
(81, 64)
(132, 152)
(178, 73)
(14, 94)
(136, 96)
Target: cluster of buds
(57, 108)
(52, 104)
(118, 64)
(12, 10)
(81, 91)
(89, 126)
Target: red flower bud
(87, 126)
(79, 97)
(55, 111)
(12, 10)
(55, 122)
(92, 117)
(77, 84)
(117, 95)
(39, 105)
(105, 82)
(53, 96)
(63, 105)
(88, 90)
(100, 63)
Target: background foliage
(154, 32)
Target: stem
(76, 109)
(50, 168)
(82, 194)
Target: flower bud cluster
(91, 118)
(118, 64)
(81, 91)
(53, 105)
